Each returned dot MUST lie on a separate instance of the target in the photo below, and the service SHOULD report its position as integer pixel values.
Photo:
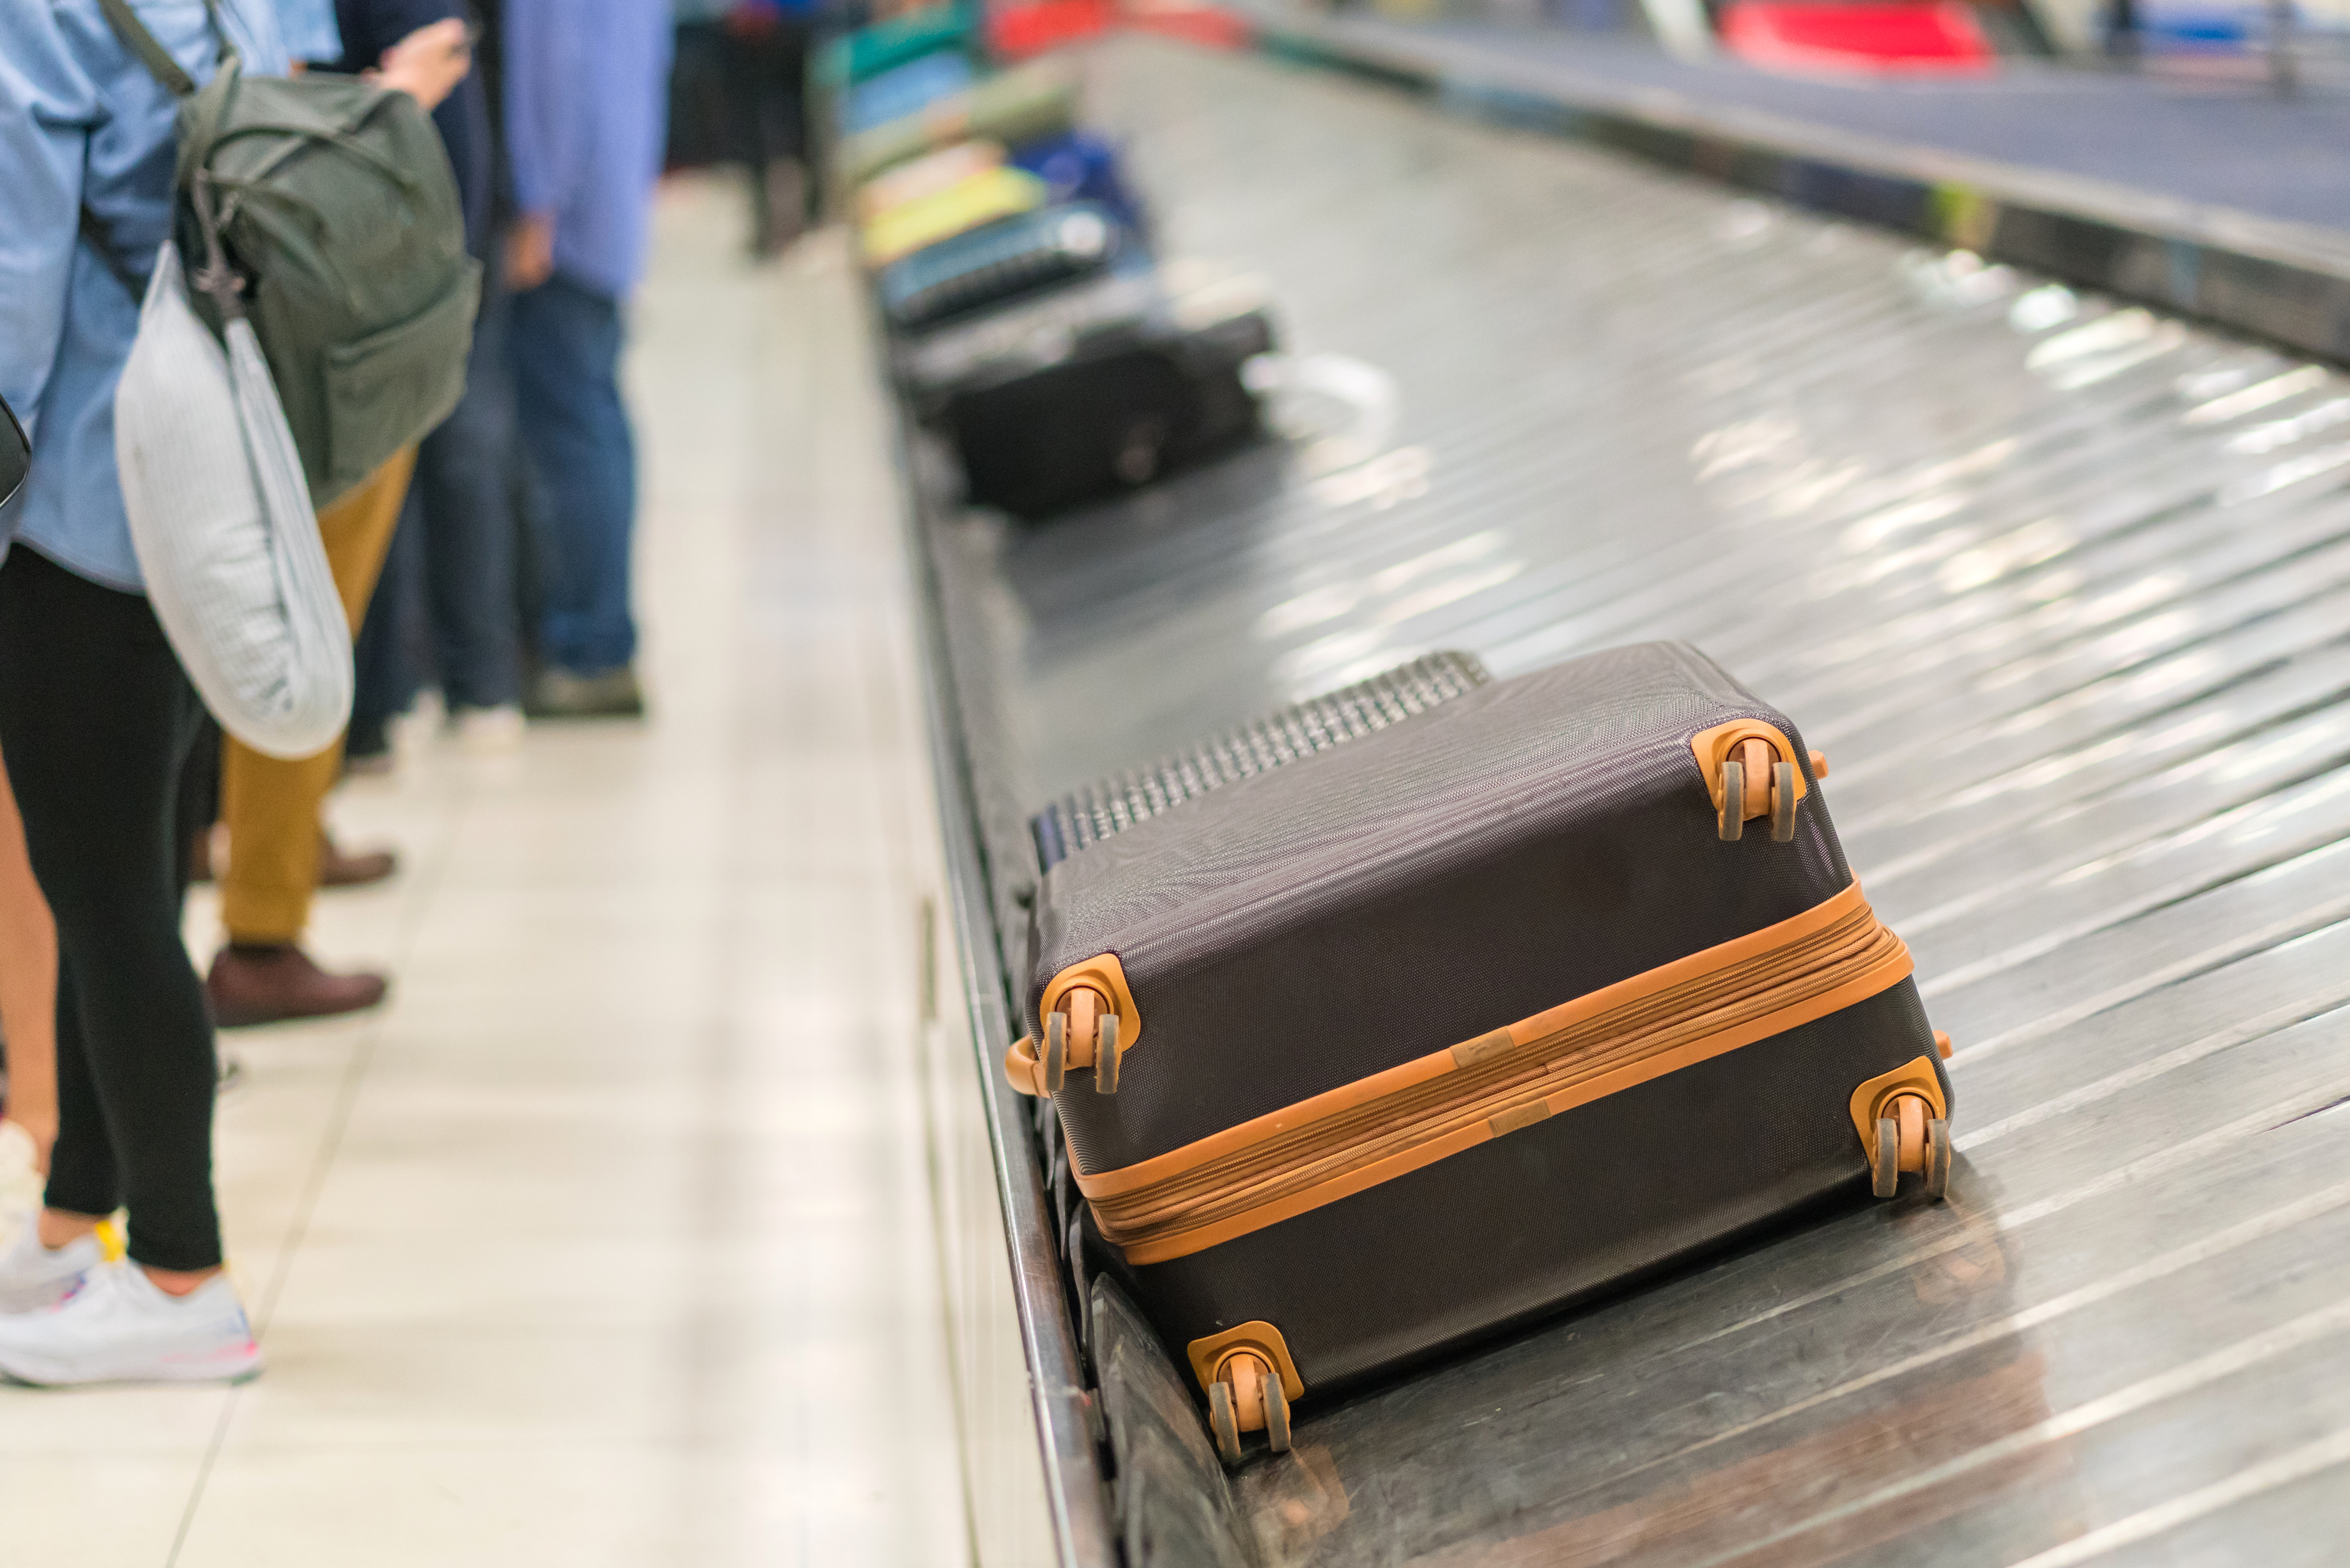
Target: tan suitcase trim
(1105, 977)
(1208, 1356)
(1714, 747)
(1354, 1138)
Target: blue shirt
(587, 91)
(83, 124)
(309, 31)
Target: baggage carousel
(2063, 589)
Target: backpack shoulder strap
(141, 43)
(158, 60)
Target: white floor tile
(607, 1241)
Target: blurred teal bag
(869, 51)
(332, 199)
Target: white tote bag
(222, 524)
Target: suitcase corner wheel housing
(1368, 1046)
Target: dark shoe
(270, 984)
(199, 857)
(337, 869)
(561, 694)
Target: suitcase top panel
(1088, 815)
(1520, 846)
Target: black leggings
(96, 719)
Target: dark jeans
(95, 720)
(566, 360)
(444, 606)
(766, 73)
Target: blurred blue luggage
(1002, 261)
(1083, 166)
(904, 90)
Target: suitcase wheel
(1224, 1421)
(1912, 1138)
(1247, 1396)
(1755, 769)
(1106, 1055)
(1885, 1169)
(1056, 1051)
(1083, 1035)
(1733, 819)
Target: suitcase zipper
(1338, 1143)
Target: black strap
(102, 240)
(154, 55)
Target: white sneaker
(488, 731)
(119, 1327)
(33, 1277)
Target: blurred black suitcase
(1093, 390)
(1497, 1007)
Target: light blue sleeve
(309, 31)
(47, 110)
(549, 91)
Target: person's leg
(28, 989)
(566, 349)
(84, 1185)
(198, 811)
(95, 719)
(792, 181)
(272, 808)
(469, 530)
(384, 652)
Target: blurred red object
(1206, 25)
(1017, 32)
(1941, 36)
(1037, 27)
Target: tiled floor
(608, 1242)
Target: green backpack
(324, 208)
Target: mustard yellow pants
(272, 806)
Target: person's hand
(530, 251)
(41, 1127)
(429, 63)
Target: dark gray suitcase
(1488, 1010)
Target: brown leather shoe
(268, 984)
(337, 869)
